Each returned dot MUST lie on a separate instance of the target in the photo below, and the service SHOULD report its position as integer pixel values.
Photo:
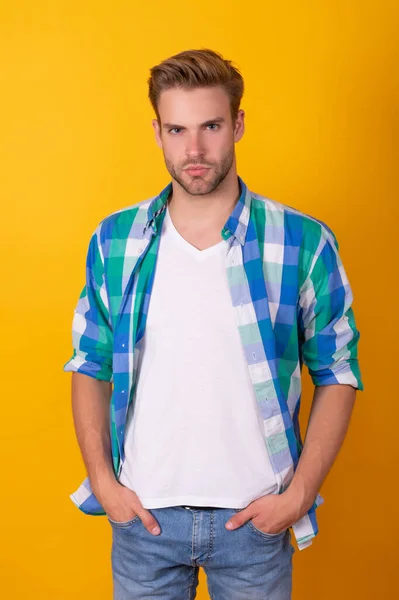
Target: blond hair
(196, 68)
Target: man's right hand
(122, 504)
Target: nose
(195, 145)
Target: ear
(157, 130)
(239, 126)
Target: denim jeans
(242, 564)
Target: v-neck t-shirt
(194, 433)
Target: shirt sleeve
(327, 328)
(92, 336)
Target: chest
(200, 239)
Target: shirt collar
(236, 224)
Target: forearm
(90, 408)
(328, 423)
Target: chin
(206, 188)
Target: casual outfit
(205, 350)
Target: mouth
(197, 171)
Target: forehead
(193, 104)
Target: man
(200, 306)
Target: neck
(204, 211)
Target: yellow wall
(76, 143)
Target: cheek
(174, 149)
(223, 144)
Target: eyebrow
(209, 122)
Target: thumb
(239, 519)
(149, 522)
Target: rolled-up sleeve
(328, 333)
(92, 336)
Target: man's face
(196, 130)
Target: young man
(200, 306)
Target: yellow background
(76, 144)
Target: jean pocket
(124, 523)
(259, 532)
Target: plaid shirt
(290, 296)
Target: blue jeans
(242, 564)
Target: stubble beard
(199, 186)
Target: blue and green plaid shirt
(292, 303)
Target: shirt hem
(193, 501)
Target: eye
(174, 129)
(213, 125)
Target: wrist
(299, 496)
(103, 484)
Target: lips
(197, 170)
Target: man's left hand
(272, 513)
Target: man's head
(196, 97)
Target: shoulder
(123, 223)
(297, 227)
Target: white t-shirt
(194, 436)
